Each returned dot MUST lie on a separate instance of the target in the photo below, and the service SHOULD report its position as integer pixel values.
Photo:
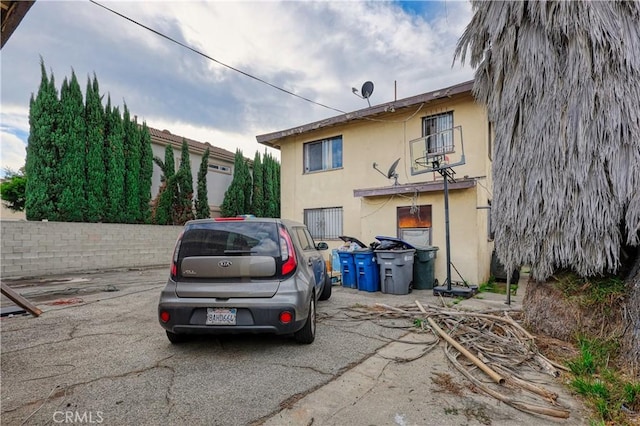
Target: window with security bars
(438, 130)
(324, 224)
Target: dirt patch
(549, 311)
(446, 383)
(555, 349)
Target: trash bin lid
(347, 239)
(427, 248)
(395, 240)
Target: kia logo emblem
(225, 263)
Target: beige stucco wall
(382, 141)
(217, 181)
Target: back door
(228, 259)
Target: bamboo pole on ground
(19, 300)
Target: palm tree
(561, 82)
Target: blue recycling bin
(368, 277)
(348, 269)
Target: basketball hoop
(433, 163)
(437, 151)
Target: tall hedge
(71, 145)
(131, 148)
(202, 202)
(114, 156)
(86, 162)
(257, 201)
(237, 198)
(95, 164)
(42, 156)
(146, 174)
(185, 186)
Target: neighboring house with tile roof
(220, 165)
(329, 179)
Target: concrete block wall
(30, 249)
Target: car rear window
(240, 238)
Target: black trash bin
(424, 268)
(499, 272)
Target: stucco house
(334, 176)
(220, 172)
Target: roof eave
(270, 139)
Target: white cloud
(12, 153)
(318, 50)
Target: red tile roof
(165, 137)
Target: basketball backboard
(437, 151)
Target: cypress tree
(71, 145)
(234, 197)
(257, 200)
(40, 194)
(115, 165)
(270, 201)
(276, 178)
(131, 146)
(202, 202)
(95, 164)
(146, 174)
(247, 186)
(165, 200)
(185, 186)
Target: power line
(246, 74)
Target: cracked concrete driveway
(103, 358)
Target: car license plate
(219, 316)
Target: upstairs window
(219, 168)
(438, 130)
(321, 155)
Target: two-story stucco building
(220, 172)
(334, 176)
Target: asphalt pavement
(97, 355)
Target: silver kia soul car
(244, 275)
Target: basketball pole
(446, 227)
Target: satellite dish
(367, 89)
(391, 173)
(392, 170)
(365, 92)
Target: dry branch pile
(497, 352)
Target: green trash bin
(424, 268)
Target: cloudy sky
(317, 50)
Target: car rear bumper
(255, 315)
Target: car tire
(176, 338)
(307, 333)
(326, 289)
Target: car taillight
(286, 317)
(164, 316)
(174, 259)
(287, 252)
